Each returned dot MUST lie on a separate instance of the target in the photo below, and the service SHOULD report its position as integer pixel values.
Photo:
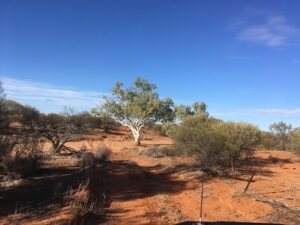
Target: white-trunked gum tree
(136, 107)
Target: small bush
(159, 151)
(102, 153)
(23, 159)
(109, 125)
(294, 140)
(166, 129)
(88, 159)
(268, 140)
(215, 142)
(30, 117)
(88, 206)
(281, 131)
(83, 205)
(58, 130)
(7, 144)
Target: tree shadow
(36, 196)
(124, 180)
(262, 162)
(121, 180)
(127, 181)
(43, 195)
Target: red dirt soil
(147, 190)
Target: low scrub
(88, 160)
(159, 151)
(102, 153)
(215, 142)
(21, 159)
(268, 140)
(294, 140)
(166, 129)
(83, 206)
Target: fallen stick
(274, 203)
(249, 181)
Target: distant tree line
(140, 107)
(29, 118)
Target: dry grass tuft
(159, 151)
(83, 205)
(102, 153)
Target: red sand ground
(147, 190)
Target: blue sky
(240, 57)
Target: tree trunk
(136, 135)
(232, 164)
(137, 138)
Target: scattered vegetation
(58, 130)
(20, 158)
(83, 205)
(102, 153)
(166, 129)
(268, 140)
(159, 151)
(93, 156)
(216, 142)
(281, 131)
(88, 160)
(183, 111)
(294, 140)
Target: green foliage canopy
(137, 106)
(281, 131)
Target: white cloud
(262, 111)
(41, 94)
(275, 31)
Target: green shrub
(157, 128)
(166, 129)
(281, 131)
(22, 159)
(29, 117)
(11, 112)
(240, 140)
(215, 142)
(81, 120)
(169, 129)
(294, 140)
(268, 140)
(159, 151)
(108, 124)
(199, 136)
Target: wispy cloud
(262, 112)
(37, 93)
(274, 31)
